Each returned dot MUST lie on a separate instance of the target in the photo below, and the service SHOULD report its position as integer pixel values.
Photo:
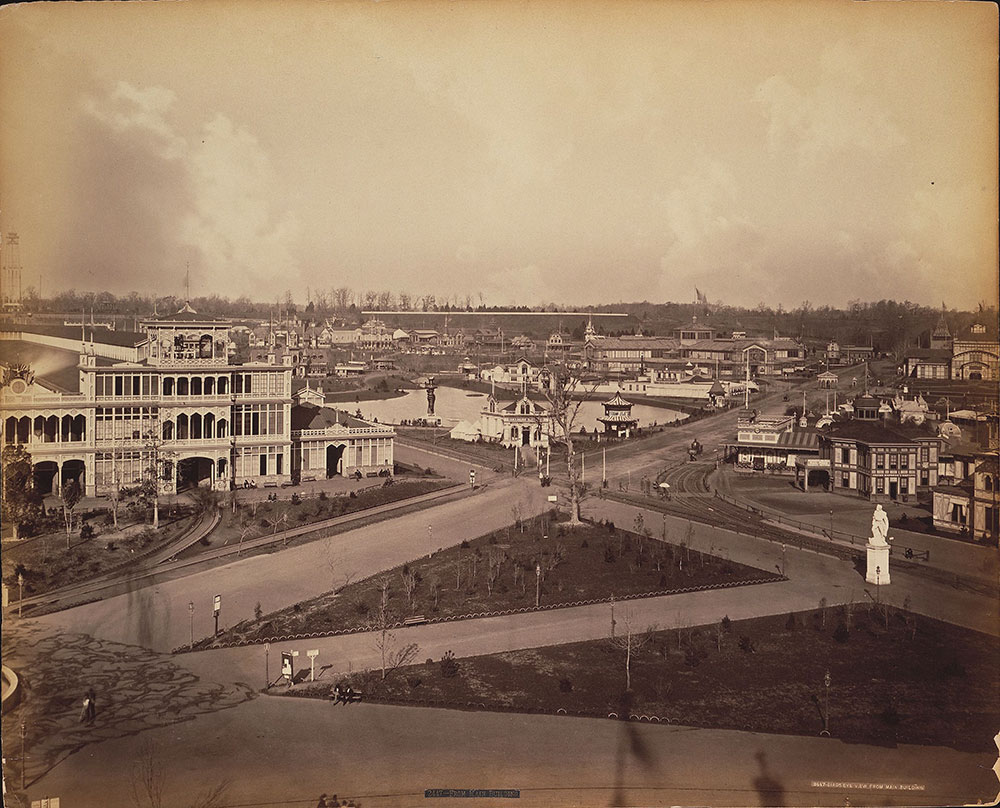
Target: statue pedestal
(878, 556)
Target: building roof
(988, 466)
(105, 336)
(868, 432)
(309, 416)
(930, 354)
(54, 368)
(807, 438)
(617, 401)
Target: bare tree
(71, 496)
(393, 657)
(494, 565)
(148, 775)
(565, 394)
(405, 301)
(409, 580)
(631, 642)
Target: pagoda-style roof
(617, 401)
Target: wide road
(157, 616)
(285, 752)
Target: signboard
(217, 605)
(286, 664)
(553, 498)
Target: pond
(452, 405)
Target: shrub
(952, 667)
(790, 623)
(746, 644)
(111, 547)
(323, 496)
(296, 499)
(257, 611)
(609, 555)
(464, 545)
(692, 659)
(841, 633)
(565, 686)
(297, 608)
(413, 681)
(584, 545)
(449, 665)
(727, 624)
(87, 531)
(890, 715)
(362, 608)
(353, 495)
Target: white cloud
(225, 214)
(834, 115)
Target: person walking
(91, 706)
(85, 712)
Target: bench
(416, 620)
(345, 698)
(270, 483)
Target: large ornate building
(180, 406)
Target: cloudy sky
(527, 151)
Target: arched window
(10, 430)
(513, 433)
(223, 385)
(67, 427)
(222, 428)
(51, 429)
(222, 468)
(205, 346)
(168, 430)
(210, 386)
(79, 428)
(209, 425)
(182, 427)
(196, 386)
(195, 426)
(182, 387)
(989, 483)
(168, 386)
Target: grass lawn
(919, 681)
(256, 518)
(47, 563)
(496, 571)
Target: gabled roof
(309, 416)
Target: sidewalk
(285, 752)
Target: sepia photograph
(499, 403)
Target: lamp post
(191, 615)
(538, 582)
(782, 558)
(23, 766)
(826, 712)
(878, 573)
(612, 615)
(20, 592)
(267, 665)
(831, 518)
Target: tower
(10, 287)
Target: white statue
(880, 527)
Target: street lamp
(191, 614)
(831, 521)
(826, 712)
(878, 573)
(20, 592)
(538, 582)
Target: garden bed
(47, 563)
(497, 572)
(894, 678)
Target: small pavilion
(618, 421)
